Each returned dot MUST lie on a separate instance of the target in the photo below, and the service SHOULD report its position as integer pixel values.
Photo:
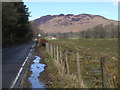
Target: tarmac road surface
(12, 60)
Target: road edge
(22, 67)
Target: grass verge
(55, 78)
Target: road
(12, 60)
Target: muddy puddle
(36, 69)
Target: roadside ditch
(35, 67)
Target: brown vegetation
(70, 23)
(42, 42)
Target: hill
(70, 23)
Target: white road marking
(24, 62)
(13, 84)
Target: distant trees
(112, 30)
(15, 24)
(36, 31)
(99, 31)
(108, 31)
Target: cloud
(115, 2)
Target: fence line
(61, 58)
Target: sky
(107, 9)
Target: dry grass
(91, 50)
(58, 78)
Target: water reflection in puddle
(36, 69)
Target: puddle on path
(36, 69)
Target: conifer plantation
(15, 24)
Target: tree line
(15, 25)
(99, 31)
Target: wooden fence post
(66, 61)
(54, 53)
(104, 73)
(78, 69)
(62, 63)
(57, 54)
(47, 47)
(60, 56)
(51, 47)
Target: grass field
(91, 50)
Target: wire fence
(90, 71)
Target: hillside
(70, 23)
